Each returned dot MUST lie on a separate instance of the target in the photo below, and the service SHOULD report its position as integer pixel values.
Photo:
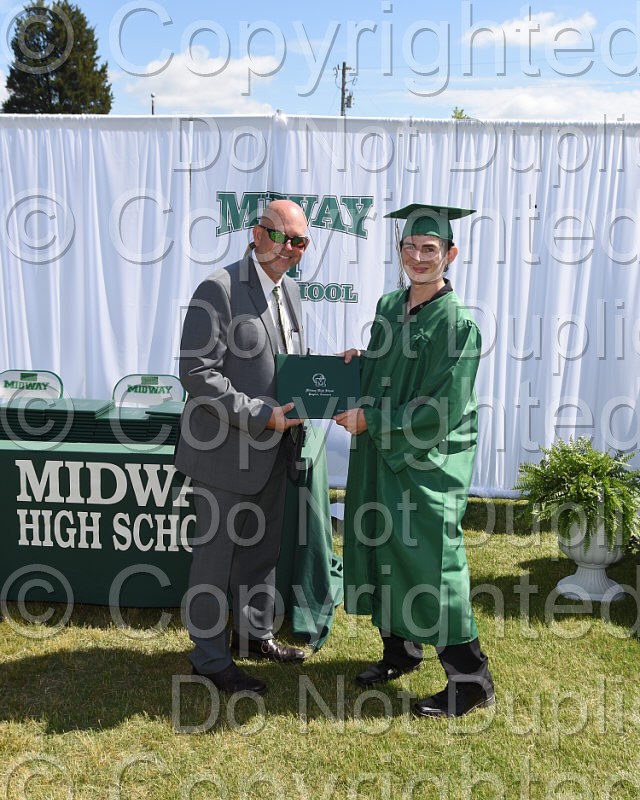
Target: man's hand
(352, 420)
(349, 354)
(278, 421)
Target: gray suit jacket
(227, 366)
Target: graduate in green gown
(413, 447)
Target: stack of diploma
(33, 419)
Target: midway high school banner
(109, 223)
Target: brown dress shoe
(232, 680)
(268, 649)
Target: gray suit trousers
(235, 550)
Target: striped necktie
(282, 327)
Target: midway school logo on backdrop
(344, 214)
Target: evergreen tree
(56, 69)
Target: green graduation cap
(427, 220)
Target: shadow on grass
(102, 688)
(532, 594)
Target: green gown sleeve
(404, 434)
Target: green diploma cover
(320, 386)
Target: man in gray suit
(236, 444)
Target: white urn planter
(590, 581)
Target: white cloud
(544, 28)
(198, 84)
(549, 102)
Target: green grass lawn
(96, 710)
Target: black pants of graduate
(462, 663)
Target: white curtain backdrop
(109, 223)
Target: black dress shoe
(232, 679)
(268, 649)
(381, 673)
(448, 703)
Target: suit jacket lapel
(256, 294)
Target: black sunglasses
(280, 237)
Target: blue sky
(496, 60)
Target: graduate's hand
(352, 420)
(278, 421)
(349, 354)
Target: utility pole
(346, 98)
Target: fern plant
(575, 484)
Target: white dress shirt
(267, 287)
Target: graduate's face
(424, 258)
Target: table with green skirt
(108, 524)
